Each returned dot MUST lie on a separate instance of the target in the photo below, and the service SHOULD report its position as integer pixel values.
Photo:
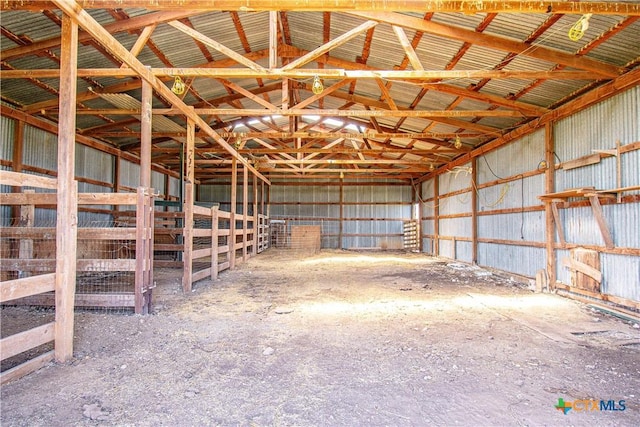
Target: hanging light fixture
(178, 86)
(458, 143)
(431, 167)
(577, 31)
(317, 86)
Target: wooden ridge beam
(454, 6)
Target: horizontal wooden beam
(312, 112)
(454, 6)
(230, 73)
(292, 135)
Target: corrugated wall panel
(94, 164)
(458, 179)
(40, 148)
(129, 174)
(528, 226)
(157, 182)
(458, 227)
(7, 128)
(458, 204)
(599, 127)
(622, 276)
(521, 260)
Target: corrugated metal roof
(307, 33)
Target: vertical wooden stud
(138, 295)
(214, 242)
(145, 135)
(474, 210)
(256, 219)
(245, 211)
(550, 210)
(436, 216)
(341, 213)
(189, 200)
(232, 219)
(273, 39)
(67, 197)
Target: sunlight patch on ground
(372, 259)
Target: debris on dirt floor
(268, 351)
(95, 412)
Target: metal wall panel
(457, 179)
(7, 129)
(521, 260)
(40, 148)
(129, 174)
(621, 275)
(599, 127)
(528, 226)
(93, 164)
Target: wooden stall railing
(210, 248)
(28, 285)
(92, 257)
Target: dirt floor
(339, 339)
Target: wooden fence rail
(210, 248)
(96, 249)
(20, 287)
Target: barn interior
(320, 213)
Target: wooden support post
(189, 199)
(149, 237)
(245, 211)
(262, 198)
(67, 196)
(436, 216)
(141, 213)
(550, 208)
(232, 216)
(341, 213)
(214, 242)
(256, 220)
(420, 215)
(474, 210)
(453, 244)
(273, 39)
(145, 135)
(602, 223)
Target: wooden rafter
(82, 18)
(492, 41)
